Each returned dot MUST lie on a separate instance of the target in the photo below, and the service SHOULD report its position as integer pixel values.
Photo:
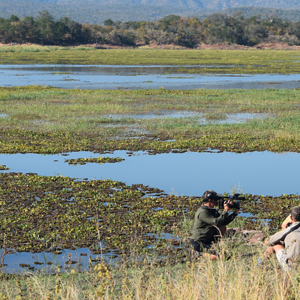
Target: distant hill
(97, 11)
(211, 4)
(289, 14)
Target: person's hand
(226, 207)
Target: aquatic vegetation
(25, 141)
(211, 61)
(215, 116)
(4, 168)
(98, 160)
(50, 120)
(42, 213)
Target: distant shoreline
(218, 46)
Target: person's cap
(211, 194)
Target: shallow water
(190, 173)
(157, 115)
(235, 118)
(136, 77)
(14, 260)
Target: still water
(136, 77)
(190, 173)
(236, 118)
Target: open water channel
(136, 77)
(190, 173)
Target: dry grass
(236, 278)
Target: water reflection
(136, 77)
(190, 173)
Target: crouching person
(286, 243)
(209, 225)
(287, 222)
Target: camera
(235, 204)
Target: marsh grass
(215, 116)
(115, 115)
(225, 61)
(236, 278)
(84, 110)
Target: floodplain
(120, 77)
(99, 187)
(248, 61)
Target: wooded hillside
(97, 11)
(172, 29)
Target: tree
(46, 27)
(220, 19)
(13, 18)
(73, 30)
(169, 20)
(108, 22)
(27, 30)
(238, 15)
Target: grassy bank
(236, 278)
(232, 61)
(49, 120)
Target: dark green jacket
(206, 221)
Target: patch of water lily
(26, 141)
(55, 213)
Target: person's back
(292, 244)
(202, 229)
(285, 243)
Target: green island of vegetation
(51, 120)
(98, 160)
(250, 61)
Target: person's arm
(230, 218)
(208, 218)
(275, 238)
(286, 222)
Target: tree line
(172, 29)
